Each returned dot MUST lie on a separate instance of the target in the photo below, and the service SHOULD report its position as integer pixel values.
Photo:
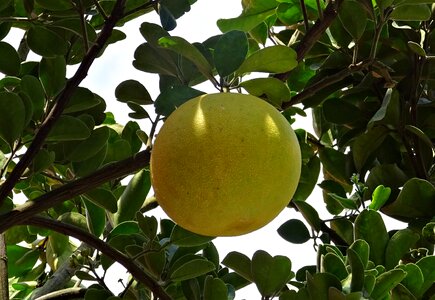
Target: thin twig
(104, 248)
(305, 14)
(62, 101)
(4, 285)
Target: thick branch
(104, 248)
(65, 294)
(62, 101)
(74, 188)
(4, 285)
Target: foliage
(365, 68)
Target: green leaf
(333, 264)
(215, 289)
(81, 99)
(103, 198)
(166, 18)
(414, 278)
(294, 231)
(46, 42)
(68, 128)
(270, 274)
(33, 88)
(420, 134)
(379, 197)
(95, 218)
(74, 218)
(357, 270)
(386, 282)
(240, 263)
(9, 60)
(87, 148)
(192, 269)
(310, 214)
(361, 248)
(274, 89)
(133, 196)
(406, 205)
(133, 91)
(319, 284)
(12, 116)
(426, 265)
(16, 253)
(369, 226)
(288, 13)
(366, 144)
(172, 98)
(189, 51)
(334, 163)
(138, 111)
(97, 294)
(344, 201)
(55, 5)
(273, 59)
(230, 52)
(42, 160)
(125, 228)
(339, 111)
(354, 23)
(4, 4)
(148, 225)
(416, 48)
(86, 167)
(150, 59)
(52, 72)
(419, 12)
(244, 22)
(184, 238)
(398, 246)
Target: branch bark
(4, 285)
(62, 100)
(70, 230)
(74, 188)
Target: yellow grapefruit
(225, 164)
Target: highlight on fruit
(225, 164)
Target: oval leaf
(68, 128)
(294, 231)
(12, 116)
(9, 60)
(230, 52)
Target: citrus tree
(364, 69)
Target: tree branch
(65, 294)
(62, 100)
(314, 34)
(74, 188)
(103, 247)
(4, 285)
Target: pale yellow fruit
(225, 164)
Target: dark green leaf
(184, 238)
(319, 284)
(46, 42)
(68, 128)
(273, 59)
(354, 23)
(125, 228)
(172, 98)
(95, 218)
(230, 52)
(55, 5)
(103, 198)
(166, 18)
(366, 144)
(42, 160)
(339, 111)
(416, 48)
(274, 89)
(138, 111)
(12, 116)
(133, 91)
(86, 149)
(357, 270)
(369, 226)
(270, 274)
(82, 99)
(426, 265)
(33, 88)
(192, 269)
(97, 294)
(386, 282)
(9, 60)
(310, 214)
(244, 22)
(333, 264)
(52, 72)
(294, 231)
(154, 60)
(398, 246)
(88, 166)
(240, 263)
(344, 201)
(148, 225)
(414, 201)
(334, 163)
(420, 134)
(189, 51)
(414, 278)
(361, 248)
(215, 289)
(419, 12)
(133, 196)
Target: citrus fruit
(225, 164)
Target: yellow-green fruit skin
(225, 164)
